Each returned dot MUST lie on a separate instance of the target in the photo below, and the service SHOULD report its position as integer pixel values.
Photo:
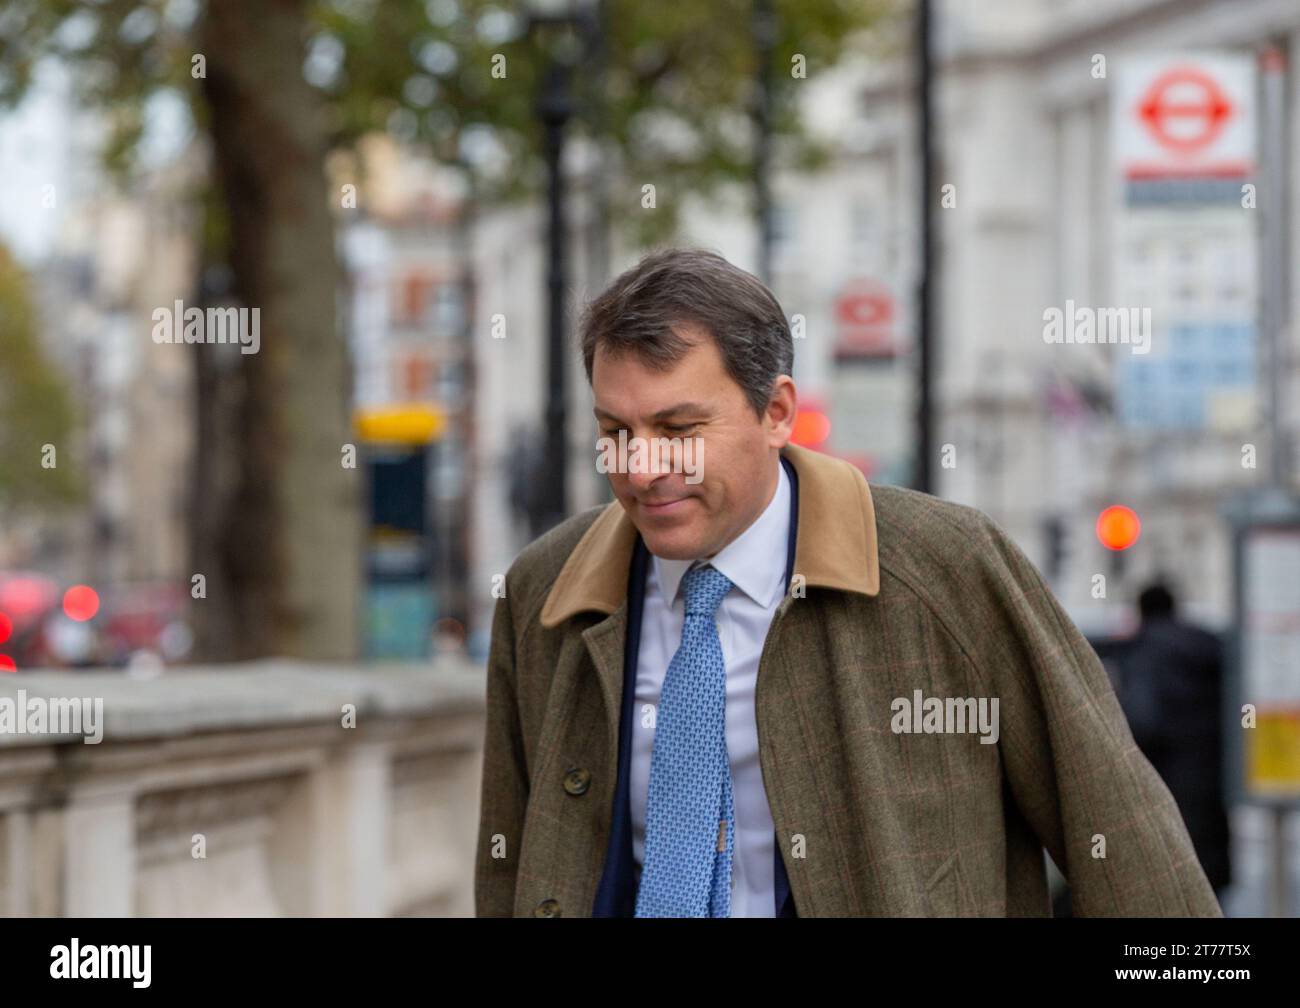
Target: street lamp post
(555, 107)
(764, 26)
(923, 478)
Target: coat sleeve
(504, 789)
(1094, 801)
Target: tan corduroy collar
(836, 546)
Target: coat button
(577, 780)
(547, 908)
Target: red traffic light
(811, 428)
(1118, 527)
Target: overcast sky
(40, 138)
(34, 151)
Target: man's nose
(645, 466)
(643, 476)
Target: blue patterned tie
(689, 810)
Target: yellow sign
(1273, 753)
(416, 423)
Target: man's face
(696, 398)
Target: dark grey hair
(640, 309)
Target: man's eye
(681, 429)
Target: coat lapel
(605, 644)
(836, 542)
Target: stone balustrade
(246, 790)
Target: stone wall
(241, 790)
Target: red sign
(864, 320)
(1185, 109)
(1187, 117)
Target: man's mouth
(663, 507)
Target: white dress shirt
(754, 562)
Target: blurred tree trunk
(284, 541)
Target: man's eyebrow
(663, 414)
(698, 409)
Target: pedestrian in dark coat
(1171, 691)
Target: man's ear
(781, 408)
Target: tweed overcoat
(893, 592)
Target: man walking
(767, 688)
(1171, 689)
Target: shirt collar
(746, 561)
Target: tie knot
(705, 588)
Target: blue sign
(1170, 391)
